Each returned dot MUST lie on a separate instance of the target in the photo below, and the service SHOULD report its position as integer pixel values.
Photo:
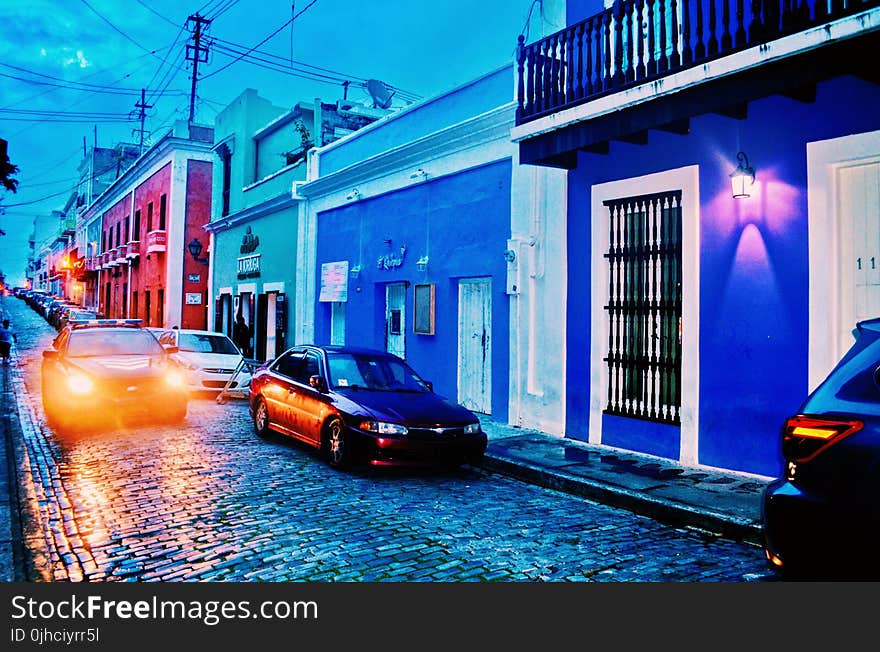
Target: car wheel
(337, 448)
(261, 418)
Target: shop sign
(334, 281)
(249, 266)
(193, 298)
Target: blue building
(720, 203)
(404, 230)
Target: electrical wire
(162, 16)
(286, 23)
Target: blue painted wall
(753, 269)
(578, 10)
(475, 98)
(462, 221)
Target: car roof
(192, 331)
(333, 348)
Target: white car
(210, 359)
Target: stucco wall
(753, 285)
(461, 222)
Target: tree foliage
(7, 169)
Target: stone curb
(666, 511)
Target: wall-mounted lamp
(422, 263)
(742, 178)
(195, 250)
(355, 271)
(354, 194)
(419, 174)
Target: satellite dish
(379, 92)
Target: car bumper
(378, 450)
(204, 381)
(101, 410)
(805, 530)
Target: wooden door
(475, 344)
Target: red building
(136, 235)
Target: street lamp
(195, 250)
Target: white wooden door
(475, 344)
(395, 319)
(858, 196)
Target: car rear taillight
(804, 437)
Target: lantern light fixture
(743, 177)
(195, 250)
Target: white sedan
(210, 359)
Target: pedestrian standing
(7, 337)
(241, 335)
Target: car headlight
(79, 384)
(175, 378)
(383, 428)
(472, 429)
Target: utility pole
(196, 53)
(143, 106)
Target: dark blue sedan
(820, 519)
(362, 405)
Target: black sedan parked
(362, 405)
(108, 372)
(821, 519)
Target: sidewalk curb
(666, 511)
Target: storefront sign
(249, 266)
(334, 281)
(193, 298)
(194, 278)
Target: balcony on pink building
(157, 242)
(121, 253)
(134, 249)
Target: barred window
(644, 307)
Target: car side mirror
(319, 383)
(170, 348)
(50, 354)
(429, 385)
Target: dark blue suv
(820, 519)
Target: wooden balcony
(639, 41)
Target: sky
(73, 69)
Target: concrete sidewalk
(725, 503)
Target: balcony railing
(636, 41)
(134, 249)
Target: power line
(115, 28)
(293, 18)
(162, 16)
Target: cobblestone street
(212, 501)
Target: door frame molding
(824, 159)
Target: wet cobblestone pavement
(211, 501)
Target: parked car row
(56, 310)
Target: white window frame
(686, 179)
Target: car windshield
(200, 343)
(367, 371)
(98, 341)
